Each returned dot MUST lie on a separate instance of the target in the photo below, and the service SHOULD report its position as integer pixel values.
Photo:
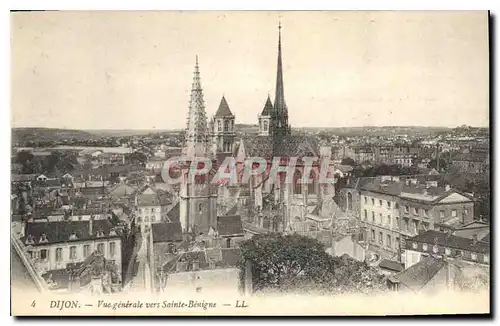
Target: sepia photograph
(250, 163)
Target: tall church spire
(280, 112)
(196, 129)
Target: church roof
(286, 146)
(268, 107)
(223, 110)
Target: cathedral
(264, 203)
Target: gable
(454, 198)
(148, 191)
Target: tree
(348, 161)
(295, 263)
(279, 261)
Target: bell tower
(265, 118)
(223, 129)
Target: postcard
(250, 163)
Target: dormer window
(435, 249)
(100, 233)
(43, 238)
(447, 251)
(73, 236)
(424, 247)
(30, 239)
(414, 245)
(112, 232)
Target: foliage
(475, 283)
(348, 161)
(295, 263)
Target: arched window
(200, 207)
(219, 125)
(266, 125)
(311, 186)
(349, 201)
(366, 214)
(297, 182)
(226, 125)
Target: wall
(226, 281)
(51, 264)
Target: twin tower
(218, 137)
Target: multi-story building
(441, 244)
(57, 247)
(394, 208)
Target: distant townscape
(407, 208)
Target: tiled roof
(61, 231)
(174, 213)
(223, 110)
(229, 225)
(286, 146)
(451, 241)
(166, 232)
(418, 275)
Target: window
(112, 249)
(380, 202)
(297, 186)
(424, 247)
(473, 256)
(389, 243)
(406, 226)
(86, 251)
(426, 212)
(397, 222)
(414, 245)
(388, 204)
(486, 258)
(226, 125)
(373, 202)
(441, 214)
(100, 248)
(200, 207)
(373, 235)
(366, 200)
(407, 209)
(415, 210)
(389, 220)
(466, 212)
(380, 238)
(219, 125)
(72, 252)
(397, 206)
(435, 249)
(58, 254)
(43, 254)
(380, 220)
(266, 126)
(447, 251)
(373, 217)
(366, 215)
(453, 213)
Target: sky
(133, 70)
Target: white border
(195, 5)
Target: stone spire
(279, 115)
(197, 128)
